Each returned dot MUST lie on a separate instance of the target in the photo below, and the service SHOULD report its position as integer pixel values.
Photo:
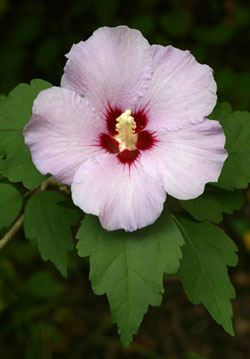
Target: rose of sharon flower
(127, 126)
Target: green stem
(14, 229)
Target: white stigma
(125, 127)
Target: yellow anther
(125, 127)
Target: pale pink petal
(113, 67)
(187, 159)
(123, 196)
(182, 91)
(62, 133)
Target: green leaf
(203, 269)
(236, 125)
(129, 267)
(48, 224)
(213, 203)
(10, 204)
(221, 111)
(15, 112)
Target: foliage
(203, 270)
(128, 267)
(48, 225)
(10, 204)
(213, 203)
(15, 112)
(236, 171)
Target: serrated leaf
(129, 267)
(10, 204)
(203, 269)
(213, 203)
(47, 223)
(15, 112)
(236, 125)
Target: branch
(48, 182)
(12, 231)
(19, 222)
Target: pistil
(125, 127)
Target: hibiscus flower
(127, 127)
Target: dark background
(45, 316)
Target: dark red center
(145, 139)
